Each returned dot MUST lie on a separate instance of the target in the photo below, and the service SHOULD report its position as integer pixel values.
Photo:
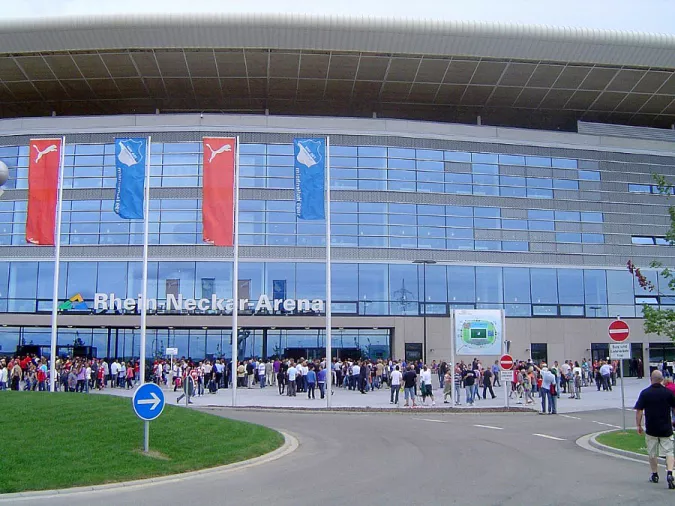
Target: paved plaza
(269, 397)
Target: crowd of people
(413, 379)
(78, 374)
(464, 383)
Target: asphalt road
(416, 458)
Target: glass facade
(273, 223)
(203, 342)
(177, 220)
(489, 213)
(366, 289)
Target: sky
(654, 16)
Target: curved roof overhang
(331, 33)
(510, 75)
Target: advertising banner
(310, 178)
(218, 199)
(130, 162)
(43, 181)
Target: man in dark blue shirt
(656, 402)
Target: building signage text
(109, 302)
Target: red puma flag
(218, 198)
(43, 181)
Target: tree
(658, 320)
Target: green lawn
(66, 440)
(629, 440)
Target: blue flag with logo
(310, 178)
(130, 161)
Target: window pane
(344, 282)
(589, 175)
(516, 284)
(619, 288)
(373, 288)
(436, 287)
(177, 277)
(571, 310)
(461, 283)
(570, 286)
(544, 285)
(311, 280)
(489, 286)
(403, 289)
(78, 272)
(595, 287)
(217, 278)
(112, 278)
(642, 240)
(652, 277)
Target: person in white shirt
(565, 375)
(574, 392)
(114, 369)
(396, 377)
(355, 380)
(261, 374)
(606, 373)
(292, 374)
(425, 380)
(106, 372)
(3, 376)
(87, 377)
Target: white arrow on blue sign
(148, 402)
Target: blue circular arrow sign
(148, 402)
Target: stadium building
(472, 165)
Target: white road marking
(432, 420)
(549, 437)
(488, 427)
(572, 417)
(606, 424)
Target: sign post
(148, 404)
(172, 352)
(620, 350)
(506, 365)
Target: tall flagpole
(144, 288)
(57, 260)
(329, 315)
(455, 393)
(235, 277)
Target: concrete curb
(290, 445)
(590, 442)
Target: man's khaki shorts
(659, 446)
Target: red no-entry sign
(618, 331)
(506, 362)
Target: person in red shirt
(100, 380)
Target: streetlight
(424, 307)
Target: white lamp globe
(4, 173)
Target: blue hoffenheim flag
(310, 177)
(130, 162)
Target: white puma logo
(49, 149)
(214, 152)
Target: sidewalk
(269, 397)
